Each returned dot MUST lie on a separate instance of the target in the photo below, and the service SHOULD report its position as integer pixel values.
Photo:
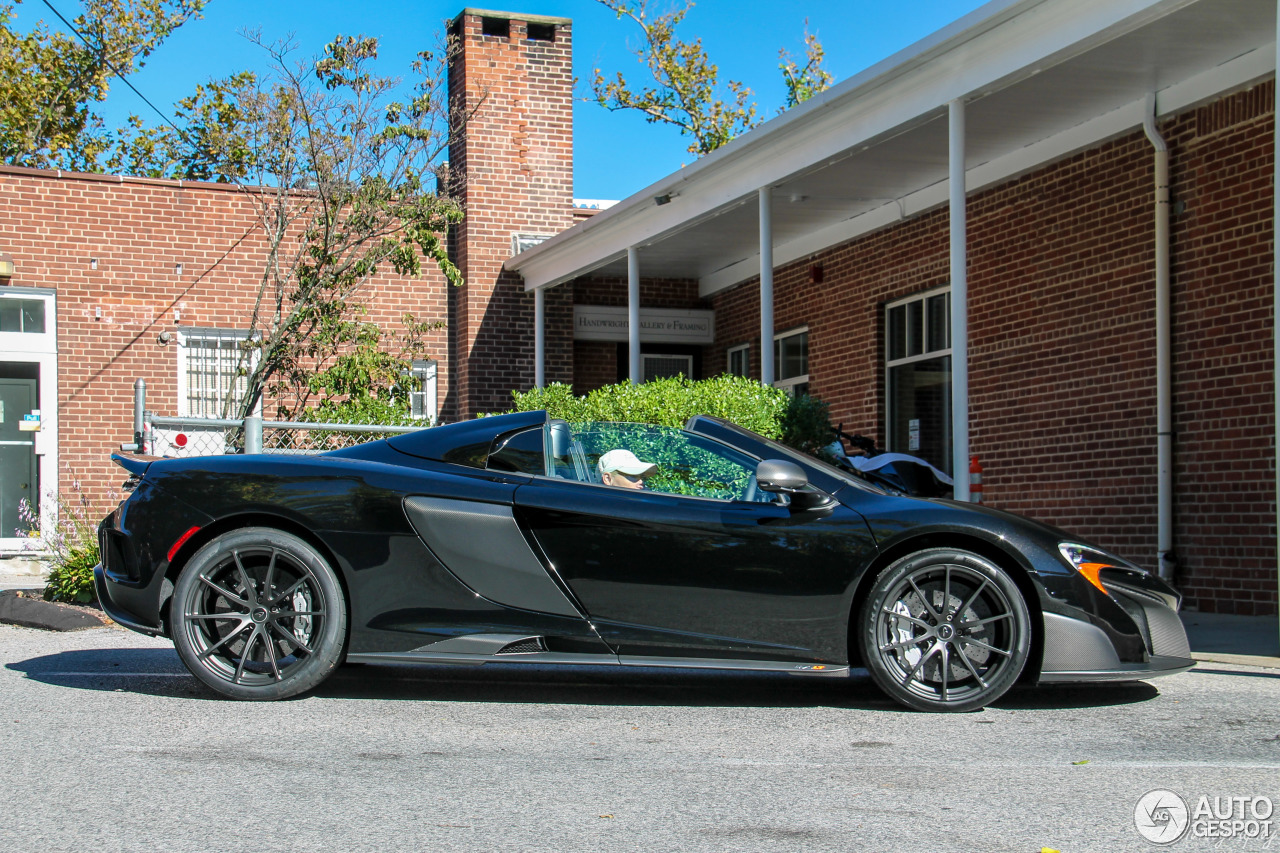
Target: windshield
(669, 460)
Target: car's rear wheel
(259, 614)
(944, 630)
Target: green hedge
(801, 422)
(667, 402)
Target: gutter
(1165, 559)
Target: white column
(959, 308)
(539, 339)
(633, 315)
(766, 286)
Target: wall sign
(657, 325)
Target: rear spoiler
(135, 465)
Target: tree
(805, 81)
(686, 82)
(686, 87)
(49, 80)
(344, 176)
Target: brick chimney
(514, 168)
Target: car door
(704, 573)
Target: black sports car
(498, 540)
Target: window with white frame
(918, 376)
(663, 366)
(738, 360)
(211, 362)
(423, 391)
(791, 361)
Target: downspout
(1164, 396)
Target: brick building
(116, 279)
(1016, 317)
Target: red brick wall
(515, 167)
(1062, 343)
(138, 230)
(1223, 391)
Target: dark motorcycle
(898, 472)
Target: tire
(258, 614)
(960, 657)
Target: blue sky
(615, 153)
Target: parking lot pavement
(107, 744)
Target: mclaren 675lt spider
(522, 538)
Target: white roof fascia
(990, 48)
(1240, 72)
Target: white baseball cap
(625, 462)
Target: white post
(766, 286)
(539, 339)
(959, 308)
(633, 315)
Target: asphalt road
(107, 744)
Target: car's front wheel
(944, 630)
(259, 614)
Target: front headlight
(1090, 562)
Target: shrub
(71, 540)
(801, 422)
(806, 426)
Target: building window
(738, 360)
(791, 361)
(918, 374)
(423, 394)
(662, 366)
(24, 316)
(523, 242)
(210, 363)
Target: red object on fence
(975, 480)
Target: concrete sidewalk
(1224, 638)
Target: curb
(1263, 661)
(18, 609)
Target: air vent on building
(495, 27)
(542, 32)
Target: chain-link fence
(156, 435)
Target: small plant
(71, 541)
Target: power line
(123, 78)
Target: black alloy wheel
(944, 630)
(258, 614)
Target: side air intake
(529, 645)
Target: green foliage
(805, 81)
(71, 579)
(347, 186)
(666, 402)
(71, 541)
(50, 79)
(686, 90)
(801, 422)
(806, 426)
(686, 82)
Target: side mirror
(779, 475)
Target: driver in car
(621, 468)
